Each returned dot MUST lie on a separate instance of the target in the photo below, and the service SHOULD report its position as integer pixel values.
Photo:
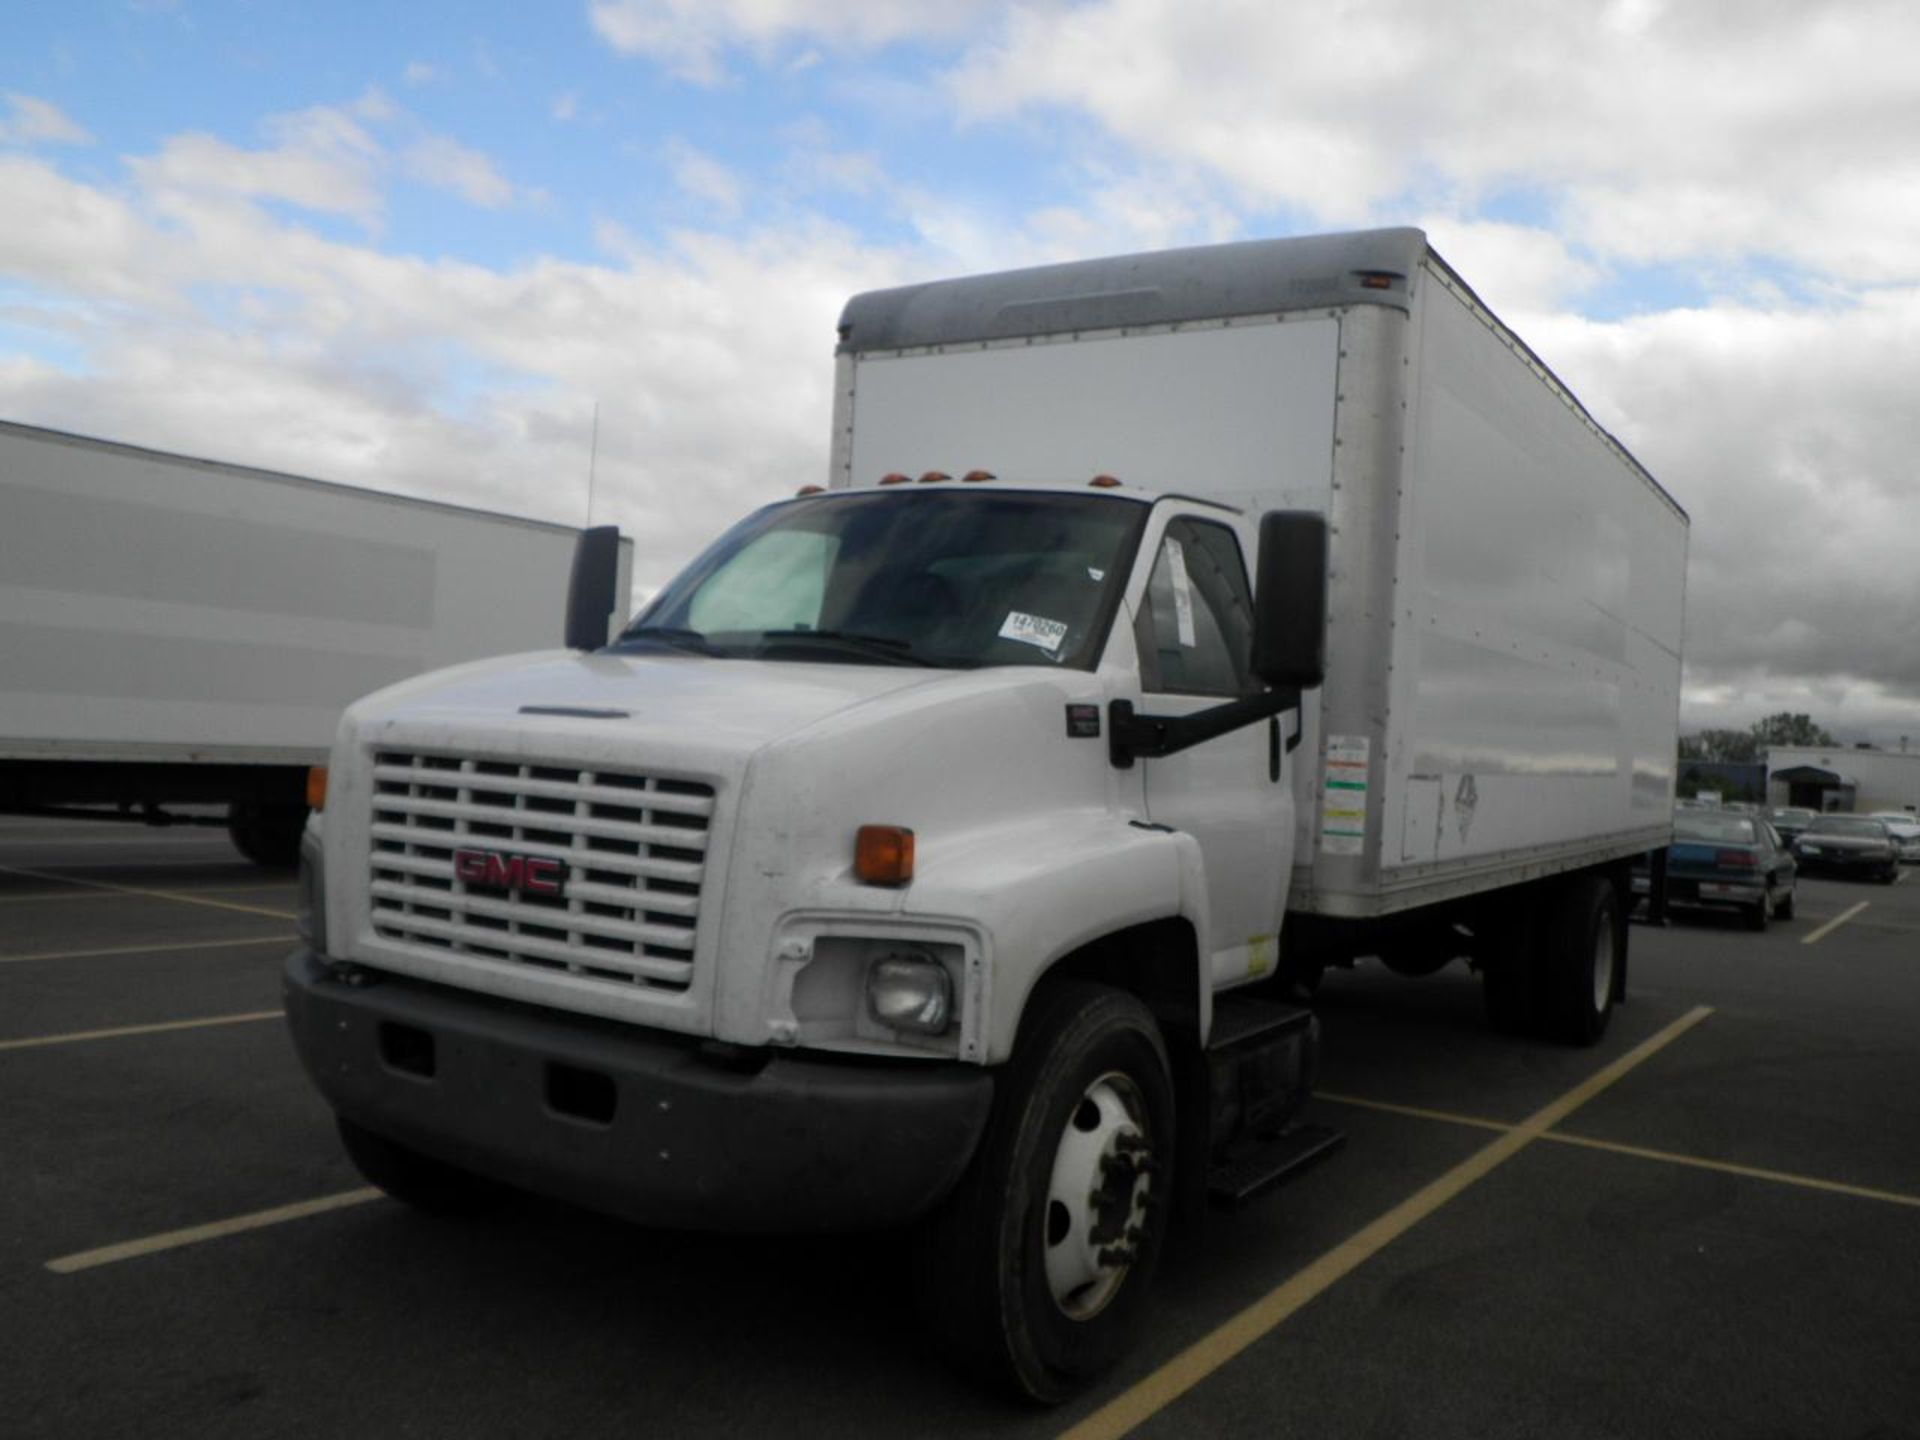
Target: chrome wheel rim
(1602, 964)
(1097, 1194)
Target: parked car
(1904, 826)
(1789, 821)
(1724, 859)
(1849, 845)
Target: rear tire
(1584, 947)
(1759, 915)
(1033, 1275)
(267, 834)
(412, 1178)
(1785, 909)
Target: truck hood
(719, 706)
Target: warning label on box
(1343, 796)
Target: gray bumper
(634, 1122)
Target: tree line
(1749, 745)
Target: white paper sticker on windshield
(1182, 593)
(1033, 630)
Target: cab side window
(1195, 628)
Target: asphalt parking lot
(1707, 1225)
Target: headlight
(910, 991)
(310, 895)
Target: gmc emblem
(491, 870)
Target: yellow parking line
(194, 1234)
(181, 896)
(75, 1037)
(46, 896)
(1727, 1167)
(1834, 924)
(1198, 1361)
(1445, 1116)
(1669, 1157)
(147, 949)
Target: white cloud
(1664, 131)
(706, 179)
(419, 72)
(691, 38)
(31, 121)
(324, 161)
(449, 165)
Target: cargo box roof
(1251, 277)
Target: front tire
(1034, 1273)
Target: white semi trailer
(952, 845)
(179, 632)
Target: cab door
(1193, 632)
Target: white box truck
(950, 845)
(179, 632)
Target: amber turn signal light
(883, 855)
(317, 788)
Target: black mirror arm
(1131, 734)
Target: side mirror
(1290, 600)
(591, 587)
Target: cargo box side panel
(1237, 411)
(157, 607)
(1535, 694)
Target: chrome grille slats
(634, 845)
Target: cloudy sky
(418, 246)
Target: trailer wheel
(412, 1178)
(1034, 1273)
(1585, 953)
(267, 834)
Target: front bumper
(634, 1122)
(1845, 862)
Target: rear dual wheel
(1033, 1274)
(1559, 962)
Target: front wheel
(1033, 1275)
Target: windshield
(1843, 825)
(1727, 829)
(955, 579)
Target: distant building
(1834, 778)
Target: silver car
(1904, 826)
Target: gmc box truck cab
(952, 846)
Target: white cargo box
(1507, 590)
(165, 609)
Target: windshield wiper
(679, 639)
(889, 648)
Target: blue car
(1726, 859)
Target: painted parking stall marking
(1193, 1365)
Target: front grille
(635, 848)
